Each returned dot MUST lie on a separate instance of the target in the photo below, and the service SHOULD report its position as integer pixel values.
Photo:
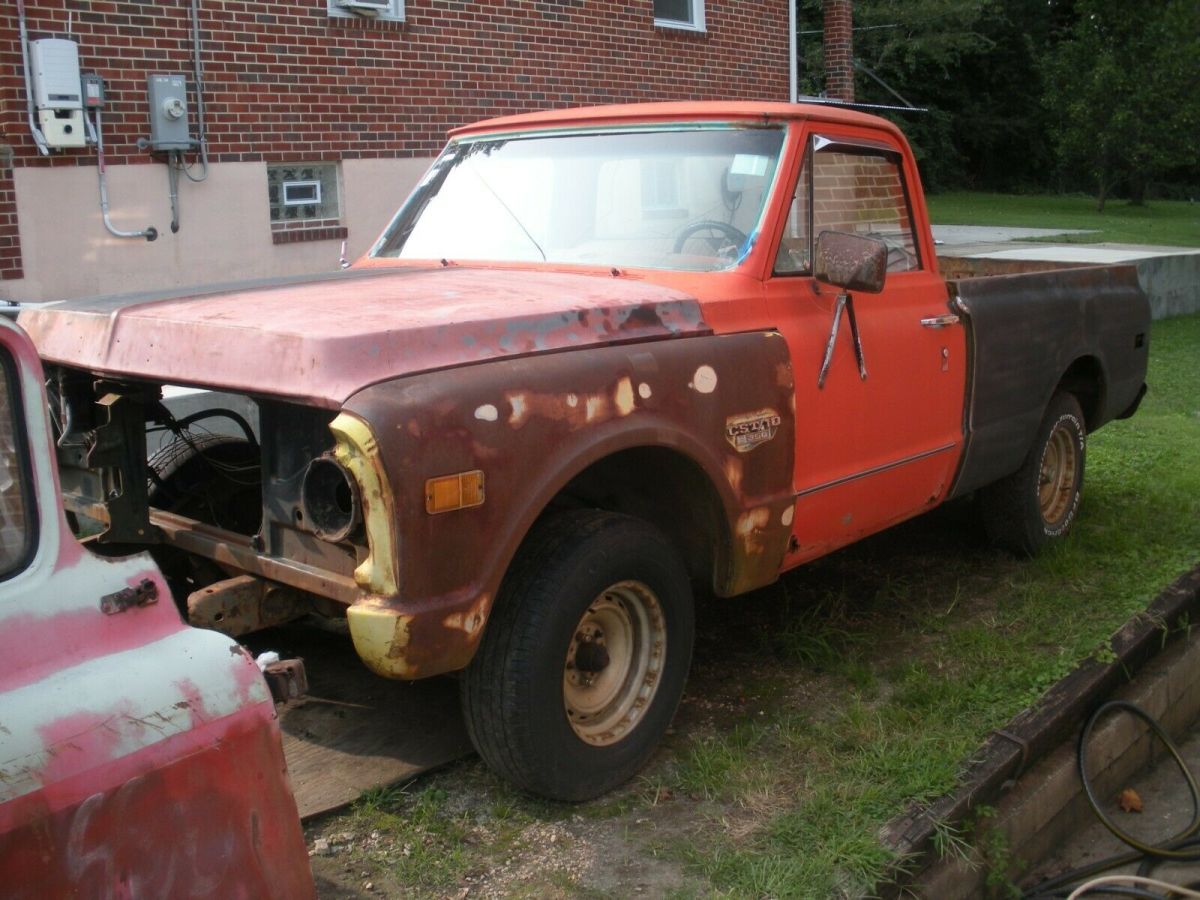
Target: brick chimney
(839, 49)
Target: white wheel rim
(614, 663)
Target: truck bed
(1023, 332)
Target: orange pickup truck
(602, 359)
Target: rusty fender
(724, 404)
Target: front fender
(531, 425)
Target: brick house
(320, 115)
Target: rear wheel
(1037, 503)
(584, 660)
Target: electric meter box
(169, 113)
(54, 65)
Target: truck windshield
(688, 199)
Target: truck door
(878, 439)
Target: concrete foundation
(225, 227)
(1170, 276)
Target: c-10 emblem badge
(746, 431)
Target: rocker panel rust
(532, 425)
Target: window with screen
(16, 521)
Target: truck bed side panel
(1025, 332)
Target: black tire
(1038, 503)
(572, 571)
(215, 479)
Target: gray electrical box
(169, 113)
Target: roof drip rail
(845, 104)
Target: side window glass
(16, 523)
(862, 193)
(794, 256)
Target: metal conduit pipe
(198, 73)
(174, 167)
(150, 233)
(38, 137)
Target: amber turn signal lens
(451, 492)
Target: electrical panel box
(54, 67)
(93, 90)
(169, 113)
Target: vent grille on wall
(366, 7)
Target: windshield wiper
(512, 215)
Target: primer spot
(705, 380)
(572, 401)
(597, 406)
(788, 515)
(623, 397)
(487, 413)
(644, 391)
(517, 401)
(753, 520)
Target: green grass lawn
(821, 707)
(924, 651)
(1169, 222)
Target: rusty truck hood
(322, 339)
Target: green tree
(973, 64)
(1122, 91)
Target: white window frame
(338, 201)
(696, 23)
(285, 187)
(394, 13)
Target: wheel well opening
(1085, 379)
(664, 488)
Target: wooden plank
(354, 730)
(1040, 729)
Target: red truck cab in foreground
(139, 757)
(601, 360)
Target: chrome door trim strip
(875, 471)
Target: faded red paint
(322, 341)
(78, 635)
(101, 795)
(205, 813)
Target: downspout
(793, 64)
(38, 137)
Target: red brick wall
(285, 81)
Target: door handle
(940, 321)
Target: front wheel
(1037, 503)
(583, 662)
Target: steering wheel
(735, 236)
(899, 259)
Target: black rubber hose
(1162, 851)
(1174, 849)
